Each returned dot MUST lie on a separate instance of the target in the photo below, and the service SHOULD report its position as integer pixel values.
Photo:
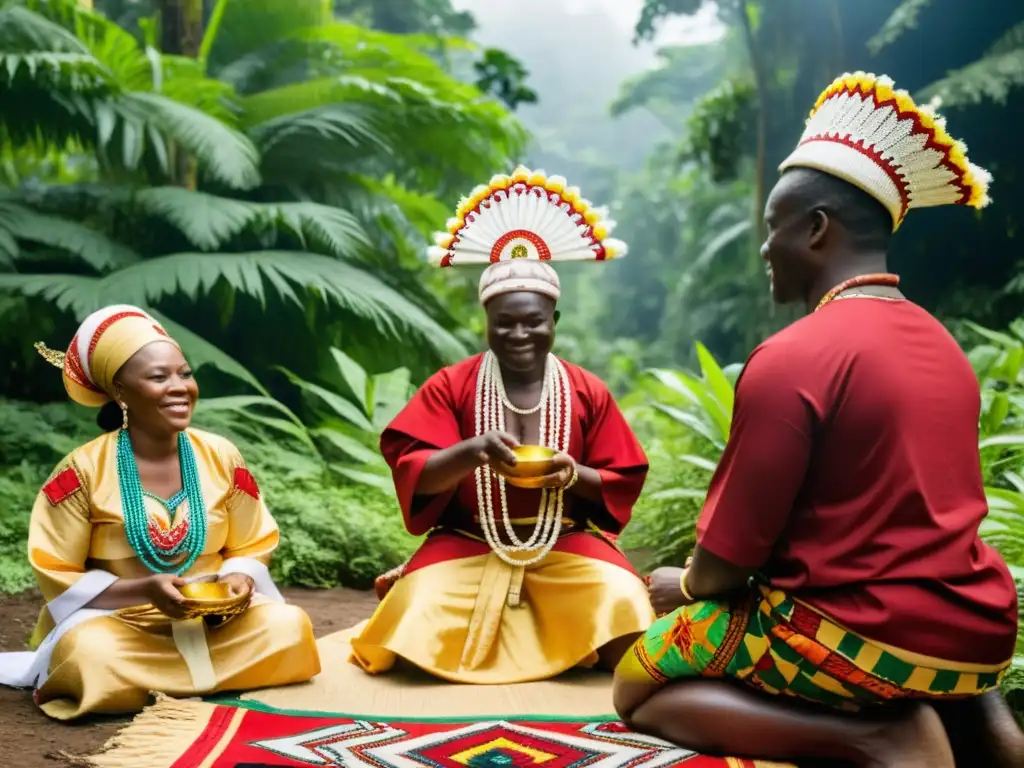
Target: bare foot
(917, 740)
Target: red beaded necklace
(882, 278)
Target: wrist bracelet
(572, 480)
(682, 586)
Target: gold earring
(124, 412)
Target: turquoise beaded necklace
(155, 555)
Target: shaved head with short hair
(867, 222)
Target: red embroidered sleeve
(64, 484)
(246, 483)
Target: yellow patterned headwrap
(105, 341)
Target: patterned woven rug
(247, 734)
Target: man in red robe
(472, 605)
(838, 560)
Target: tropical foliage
(265, 190)
(264, 177)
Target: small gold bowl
(212, 599)
(206, 591)
(532, 461)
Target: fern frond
(222, 153)
(99, 252)
(23, 29)
(991, 77)
(288, 274)
(903, 18)
(209, 222)
(75, 294)
(201, 352)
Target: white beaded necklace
(555, 408)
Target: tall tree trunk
(181, 34)
(761, 155)
(761, 87)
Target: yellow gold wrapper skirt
(480, 620)
(111, 664)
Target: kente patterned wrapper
(783, 647)
(110, 664)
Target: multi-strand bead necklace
(159, 549)
(555, 408)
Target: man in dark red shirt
(850, 490)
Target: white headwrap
(519, 275)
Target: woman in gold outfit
(128, 519)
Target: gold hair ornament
(52, 356)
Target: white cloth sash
(29, 669)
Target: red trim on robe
(62, 486)
(246, 483)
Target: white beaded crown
(865, 132)
(527, 215)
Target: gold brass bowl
(533, 462)
(214, 599)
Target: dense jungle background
(264, 176)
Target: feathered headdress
(875, 137)
(527, 215)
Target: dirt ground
(28, 739)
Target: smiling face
(157, 386)
(521, 330)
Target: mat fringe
(156, 738)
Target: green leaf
(902, 19)
(983, 359)
(697, 425)
(1009, 439)
(1001, 339)
(337, 405)
(699, 393)
(391, 393)
(195, 275)
(699, 461)
(996, 413)
(382, 483)
(223, 154)
(678, 493)
(241, 407)
(92, 247)
(350, 446)
(720, 386)
(355, 378)
(200, 352)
